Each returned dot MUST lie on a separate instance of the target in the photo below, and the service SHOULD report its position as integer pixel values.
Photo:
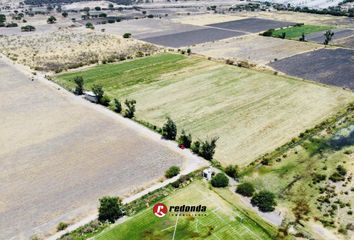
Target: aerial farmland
(166, 119)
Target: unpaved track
(59, 154)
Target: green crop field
(297, 31)
(222, 220)
(251, 112)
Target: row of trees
(205, 149)
(104, 100)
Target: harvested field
(67, 49)
(254, 48)
(213, 99)
(205, 19)
(59, 154)
(143, 28)
(252, 25)
(223, 219)
(338, 34)
(192, 37)
(328, 66)
(346, 42)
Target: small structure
(207, 174)
(90, 96)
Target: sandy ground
(68, 48)
(61, 153)
(254, 48)
(205, 19)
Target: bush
(268, 33)
(98, 91)
(130, 111)
(28, 28)
(169, 130)
(196, 147)
(61, 226)
(220, 180)
(207, 149)
(127, 35)
(185, 139)
(110, 209)
(245, 189)
(105, 100)
(232, 171)
(64, 14)
(89, 25)
(172, 171)
(264, 200)
(51, 20)
(79, 89)
(117, 106)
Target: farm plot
(143, 28)
(59, 154)
(346, 42)
(338, 34)
(252, 25)
(254, 48)
(252, 112)
(192, 37)
(296, 31)
(328, 66)
(222, 220)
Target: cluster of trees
(2, 20)
(110, 209)
(264, 200)
(205, 149)
(104, 99)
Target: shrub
(127, 35)
(110, 209)
(196, 147)
(207, 149)
(51, 20)
(185, 139)
(172, 171)
(169, 130)
(98, 91)
(130, 111)
(232, 171)
(61, 226)
(268, 33)
(79, 89)
(105, 100)
(245, 189)
(64, 14)
(89, 25)
(220, 180)
(264, 200)
(117, 106)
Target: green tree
(98, 8)
(79, 89)
(207, 148)
(110, 209)
(98, 91)
(232, 171)
(328, 37)
(264, 200)
(220, 180)
(65, 14)
(130, 111)
(127, 35)
(245, 189)
(196, 147)
(117, 106)
(172, 171)
(169, 130)
(185, 139)
(2, 18)
(110, 6)
(51, 20)
(90, 25)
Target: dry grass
(254, 48)
(69, 48)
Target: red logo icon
(160, 210)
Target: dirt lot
(192, 37)
(205, 19)
(254, 48)
(59, 154)
(328, 66)
(69, 48)
(252, 25)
